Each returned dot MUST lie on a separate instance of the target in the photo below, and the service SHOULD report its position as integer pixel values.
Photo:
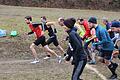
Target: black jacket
(76, 43)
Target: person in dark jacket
(86, 36)
(79, 56)
(107, 46)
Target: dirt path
(96, 71)
(14, 61)
(27, 62)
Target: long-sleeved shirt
(76, 43)
(79, 30)
(104, 38)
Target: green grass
(12, 18)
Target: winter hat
(69, 22)
(92, 20)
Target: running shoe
(46, 58)
(59, 58)
(35, 61)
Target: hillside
(81, 4)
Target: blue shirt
(104, 38)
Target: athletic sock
(119, 54)
(65, 54)
(113, 67)
(48, 55)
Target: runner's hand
(94, 44)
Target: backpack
(13, 33)
(2, 33)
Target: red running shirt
(87, 29)
(38, 31)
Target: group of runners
(80, 42)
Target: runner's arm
(52, 24)
(103, 36)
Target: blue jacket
(104, 38)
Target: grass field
(15, 54)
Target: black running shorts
(52, 39)
(106, 54)
(40, 40)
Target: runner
(79, 56)
(70, 49)
(61, 21)
(40, 39)
(107, 46)
(47, 26)
(115, 25)
(86, 36)
(80, 31)
(108, 27)
(92, 39)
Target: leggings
(78, 69)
